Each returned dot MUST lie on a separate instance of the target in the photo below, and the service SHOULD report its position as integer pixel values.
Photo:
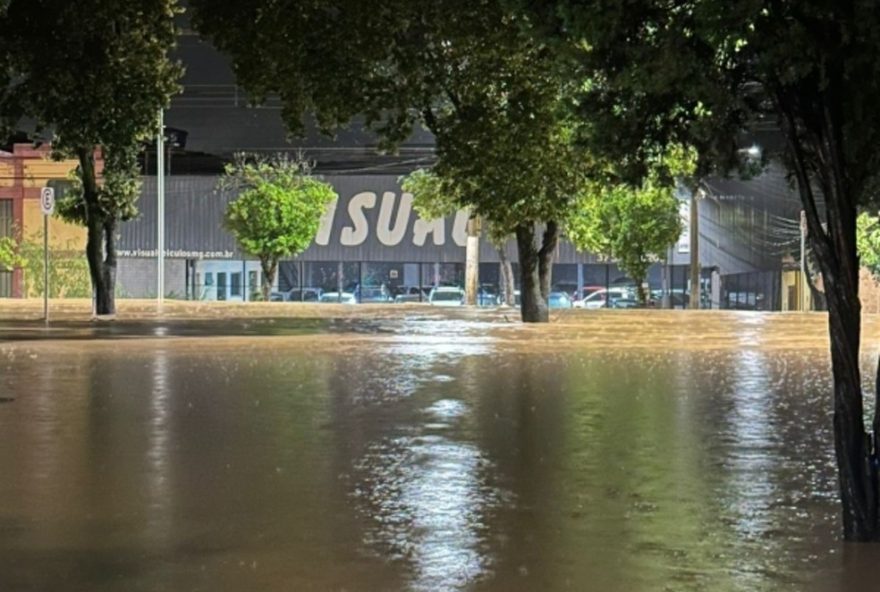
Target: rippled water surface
(611, 452)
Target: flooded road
(619, 451)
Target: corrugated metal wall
(194, 229)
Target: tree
(278, 210)
(97, 78)
(868, 241)
(635, 226)
(491, 95)
(703, 73)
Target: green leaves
(99, 74)
(868, 242)
(279, 210)
(467, 70)
(635, 226)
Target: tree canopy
(706, 74)
(90, 74)
(492, 94)
(633, 225)
(278, 210)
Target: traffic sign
(47, 200)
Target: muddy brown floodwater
(612, 451)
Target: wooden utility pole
(472, 262)
(695, 250)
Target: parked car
(602, 298)
(584, 293)
(488, 296)
(446, 296)
(626, 303)
(336, 297)
(297, 295)
(410, 294)
(373, 294)
(305, 294)
(558, 300)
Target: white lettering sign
(387, 235)
(423, 228)
(353, 236)
(323, 236)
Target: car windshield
(450, 295)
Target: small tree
(634, 225)
(278, 210)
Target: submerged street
(613, 451)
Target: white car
(446, 297)
(598, 298)
(335, 297)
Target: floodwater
(612, 451)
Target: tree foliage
(278, 209)
(868, 239)
(89, 74)
(493, 96)
(706, 73)
(634, 225)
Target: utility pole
(804, 284)
(695, 249)
(472, 262)
(160, 212)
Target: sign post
(47, 206)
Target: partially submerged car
(446, 296)
(337, 298)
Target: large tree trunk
(835, 252)
(107, 300)
(99, 232)
(640, 290)
(534, 306)
(269, 266)
(545, 257)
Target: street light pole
(695, 250)
(160, 212)
(804, 285)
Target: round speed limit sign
(47, 200)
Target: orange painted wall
(23, 173)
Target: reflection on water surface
(608, 454)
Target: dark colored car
(626, 303)
(297, 295)
(488, 296)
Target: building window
(6, 219)
(6, 225)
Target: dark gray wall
(744, 225)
